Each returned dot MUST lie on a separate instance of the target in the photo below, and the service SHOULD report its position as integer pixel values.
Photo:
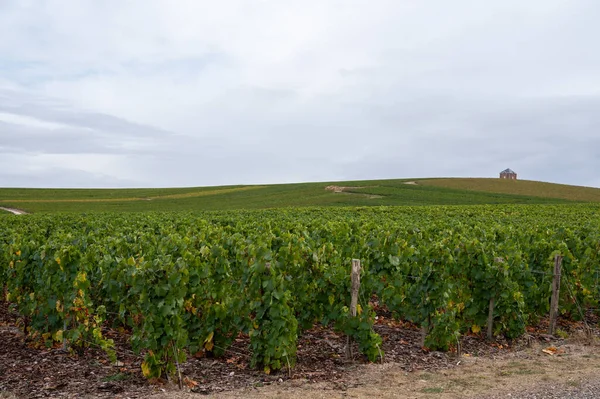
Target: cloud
(57, 177)
(146, 94)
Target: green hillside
(350, 193)
(519, 187)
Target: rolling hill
(435, 191)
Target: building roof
(508, 170)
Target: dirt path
(347, 190)
(14, 211)
(526, 374)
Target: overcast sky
(189, 93)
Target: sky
(161, 93)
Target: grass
(519, 368)
(357, 193)
(116, 377)
(574, 383)
(562, 334)
(519, 187)
(433, 390)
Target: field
(520, 187)
(355, 193)
(182, 284)
(268, 290)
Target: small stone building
(508, 174)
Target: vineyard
(404, 192)
(181, 284)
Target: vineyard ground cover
(518, 187)
(362, 193)
(30, 372)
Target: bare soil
(408, 370)
(13, 211)
(511, 375)
(347, 190)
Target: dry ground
(485, 370)
(513, 375)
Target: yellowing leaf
(358, 309)
(475, 328)
(267, 370)
(80, 279)
(19, 253)
(208, 342)
(97, 333)
(58, 336)
(146, 371)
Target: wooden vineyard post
(490, 322)
(355, 276)
(555, 294)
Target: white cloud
(244, 91)
(29, 121)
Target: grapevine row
(185, 283)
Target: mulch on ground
(31, 372)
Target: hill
(438, 191)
